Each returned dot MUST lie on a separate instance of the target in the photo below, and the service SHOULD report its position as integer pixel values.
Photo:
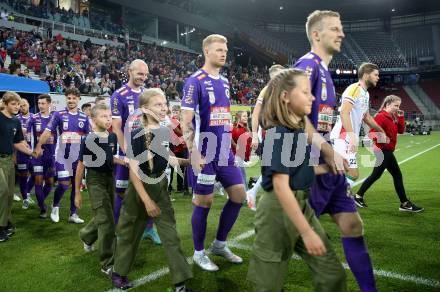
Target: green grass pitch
(405, 248)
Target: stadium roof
(296, 11)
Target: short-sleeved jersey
(24, 120)
(36, 126)
(323, 90)
(208, 97)
(359, 98)
(123, 103)
(71, 128)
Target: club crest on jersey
(38, 127)
(65, 125)
(112, 147)
(14, 131)
(211, 97)
(130, 108)
(227, 92)
(324, 92)
(81, 124)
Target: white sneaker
(17, 198)
(87, 248)
(251, 200)
(226, 253)
(203, 261)
(74, 218)
(55, 214)
(25, 204)
(107, 270)
(30, 200)
(218, 188)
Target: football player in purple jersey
(72, 125)
(206, 114)
(329, 192)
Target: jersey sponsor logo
(65, 125)
(189, 95)
(208, 83)
(211, 97)
(70, 138)
(22, 166)
(220, 116)
(206, 179)
(121, 184)
(115, 106)
(325, 118)
(63, 174)
(38, 169)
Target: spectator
(57, 85)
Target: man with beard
(23, 160)
(71, 125)
(44, 166)
(354, 111)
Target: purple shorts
(329, 194)
(203, 184)
(121, 178)
(23, 163)
(65, 171)
(44, 166)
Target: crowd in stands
(99, 70)
(47, 10)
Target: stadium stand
(98, 69)
(378, 94)
(380, 49)
(432, 89)
(415, 43)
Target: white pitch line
(234, 243)
(165, 270)
(378, 272)
(401, 162)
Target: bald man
(124, 102)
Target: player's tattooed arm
(196, 159)
(187, 128)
